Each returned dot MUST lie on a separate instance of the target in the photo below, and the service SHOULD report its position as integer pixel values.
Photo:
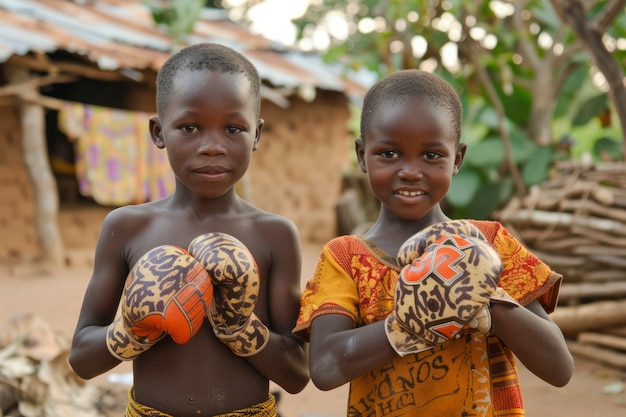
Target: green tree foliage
(178, 17)
(533, 90)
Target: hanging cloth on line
(116, 161)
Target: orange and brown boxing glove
(236, 283)
(166, 292)
(444, 288)
(415, 246)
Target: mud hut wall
(17, 201)
(297, 169)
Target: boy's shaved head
(413, 84)
(205, 57)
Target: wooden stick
(563, 261)
(547, 219)
(605, 250)
(598, 236)
(591, 316)
(8, 401)
(48, 102)
(598, 354)
(604, 275)
(593, 208)
(565, 243)
(32, 84)
(603, 339)
(613, 259)
(592, 290)
(616, 331)
(551, 197)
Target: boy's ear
(461, 148)
(156, 132)
(257, 136)
(359, 148)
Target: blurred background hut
(80, 75)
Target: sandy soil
(56, 296)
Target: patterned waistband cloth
(264, 409)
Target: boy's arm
(536, 341)
(340, 353)
(89, 355)
(529, 332)
(283, 360)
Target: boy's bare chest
(179, 233)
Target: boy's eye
(389, 154)
(188, 128)
(233, 130)
(432, 155)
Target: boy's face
(410, 156)
(210, 129)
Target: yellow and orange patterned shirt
(471, 376)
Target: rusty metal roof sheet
(119, 35)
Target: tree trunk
(35, 153)
(573, 12)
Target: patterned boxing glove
(441, 291)
(235, 278)
(415, 246)
(166, 292)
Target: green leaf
(570, 90)
(521, 144)
(590, 109)
(488, 153)
(489, 197)
(537, 167)
(607, 148)
(517, 105)
(334, 53)
(489, 117)
(463, 188)
(545, 14)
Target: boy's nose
(410, 172)
(211, 145)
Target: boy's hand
(235, 278)
(481, 322)
(439, 293)
(166, 292)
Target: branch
(527, 49)
(563, 74)
(573, 12)
(607, 14)
(572, 49)
(523, 82)
(499, 108)
(34, 83)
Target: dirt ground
(56, 295)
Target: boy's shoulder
(269, 226)
(133, 212)
(268, 218)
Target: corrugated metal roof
(120, 35)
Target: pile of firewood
(36, 379)
(576, 223)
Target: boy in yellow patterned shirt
(410, 149)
